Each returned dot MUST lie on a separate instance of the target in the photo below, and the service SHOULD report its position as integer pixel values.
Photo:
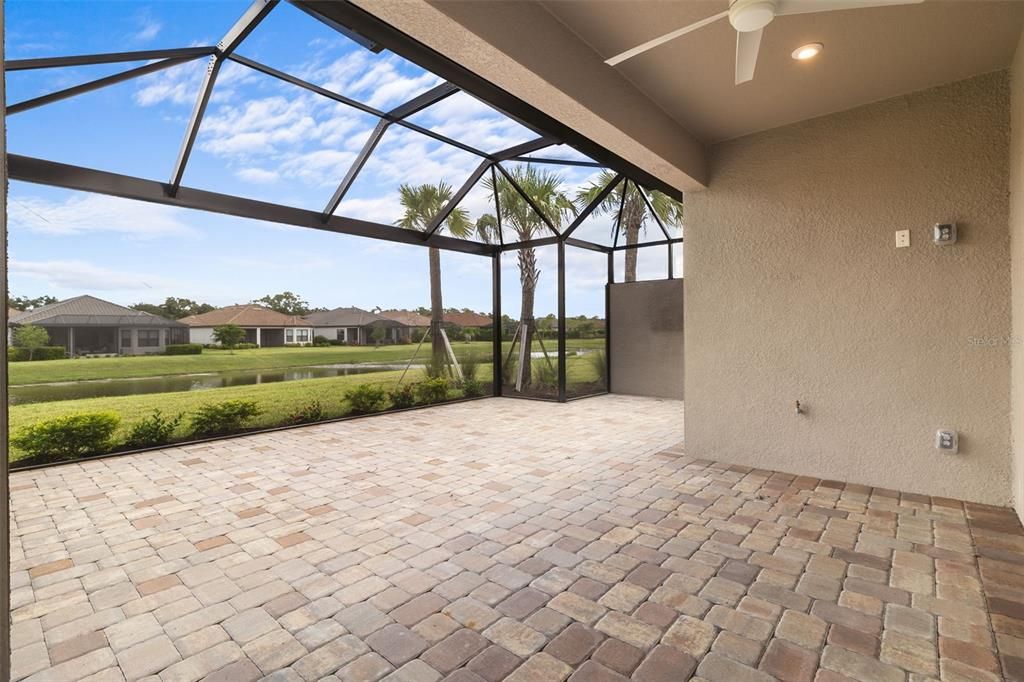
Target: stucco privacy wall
(1017, 259)
(795, 291)
(647, 338)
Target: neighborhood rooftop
(89, 310)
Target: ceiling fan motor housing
(751, 15)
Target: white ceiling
(870, 54)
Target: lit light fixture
(807, 51)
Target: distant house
(265, 327)
(413, 324)
(353, 325)
(86, 325)
(467, 320)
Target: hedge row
(18, 354)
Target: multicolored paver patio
(500, 539)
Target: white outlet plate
(902, 239)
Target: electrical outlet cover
(947, 440)
(902, 239)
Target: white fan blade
(747, 45)
(619, 58)
(787, 7)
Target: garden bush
(432, 391)
(471, 388)
(68, 437)
(307, 414)
(321, 341)
(246, 346)
(403, 396)
(183, 349)
(597, 361)
(367, 398)
(156, 429)
(545, 374)
(215, 419)
(19, 354)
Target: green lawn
(217, 360)
(277, 401)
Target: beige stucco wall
(795, 291)
(647, 338)
(1017, 254)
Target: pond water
(102, 388)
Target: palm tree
(421, 204)
(545, 189)
(634, 212)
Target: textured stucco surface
(1017, 254)
(647, 338)
(795, 291)
(522, 48)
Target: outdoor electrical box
(944, 234)
(947, 440)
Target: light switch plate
(902, 239)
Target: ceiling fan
(749, 17)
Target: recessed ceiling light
(807, 51)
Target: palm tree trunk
(436, 311)
(528, 276)
(633, 219)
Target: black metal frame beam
(660, 242)
(654, 214)
(422, 101)
(359, 20)
(460, 194)
(353, 171)
(253, 15)
(55, 174)
(525, 148)
(108, 58)
(104, 82)
(527, 198)
(598, 200)
(558, 162)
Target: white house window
(340, 334)
(302, 336)
(149, 338)
(126, 338)
(289, 336)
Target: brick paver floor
(500, 539)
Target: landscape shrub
(596, 361)
(19, 354)
(470, 367)
(156, 429)
(403, 341)
(183, 349)
(246, 346)
(471, 388)
(307, 414)
(321, 341)
(432, 391)
(215, 419)
(403, 396)
(367, 398)
(545, 374)
(336, 342)
(68, 437)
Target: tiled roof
(91, 311)
(469, 319)
(407, 317)
(344, 317)
(248, 315)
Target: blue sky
(261, 138)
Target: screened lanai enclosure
(351, 142)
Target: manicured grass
(277, 401)
(217, 360)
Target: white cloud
(149, 28)
(82, 276)
(259, 176)
(381, 82)
(84, 214)
(176, 85)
